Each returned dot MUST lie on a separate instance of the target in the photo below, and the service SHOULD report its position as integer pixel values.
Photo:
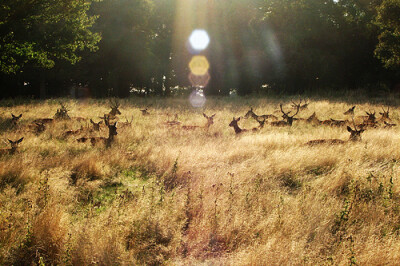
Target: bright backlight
(199, 40)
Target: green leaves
(40, 31)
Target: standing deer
(355, 135)
(14, 146)
(234, 124)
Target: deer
(15, 119)
(112, 131)
(350, 111)
(112, 115)
(312, 119)
(43, 120)
(37, 127)
(210, 121)
(145, 112)
(261, 123)
(62, 113)
(127, 123)
(385, 115)
(289, 119)
(299, 105)
(13, 149)
(174, 122)
(251, 113)
(73, 132)
(388, 125)
(234, 124)
(355, 135)
(369, 120)
(96, 126)
(338, 123)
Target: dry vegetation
(164, 194)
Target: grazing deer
(15, 119)
(300, 106)
(355, 135)
(350, 111)
(14, 146)
(261, 123)
(289, 119)
(145, 111)
(96, 126)
(234, 124)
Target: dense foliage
(289, 46)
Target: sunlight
(199, 40)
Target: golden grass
(166, 195)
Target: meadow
(162, 194)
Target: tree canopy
(286, 46)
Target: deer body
(234, 124)
(355, 135)
(210, 121)
(112, 131)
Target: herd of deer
(111, 119)
(368, 121)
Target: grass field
(164, 195)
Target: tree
(388, 19)
(42, 31)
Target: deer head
(350, 111)
(96, 126)
(385, 114)
(14, 145)
(210, 120)
(15, 119)
(371, 116)
(234, 124)
(114, 105)
(355, 135)
(289, 118)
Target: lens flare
(197, 98)
(199, 65)
(199, 40)
(199, 81)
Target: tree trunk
(42, 84)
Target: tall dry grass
(162, 194)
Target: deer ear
(349, 129)
(238, 119)
(213, 115)
(20, 116)
(13, 116)
(204, 115)
(10, 141)
(20, 140)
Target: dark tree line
(113, 47)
